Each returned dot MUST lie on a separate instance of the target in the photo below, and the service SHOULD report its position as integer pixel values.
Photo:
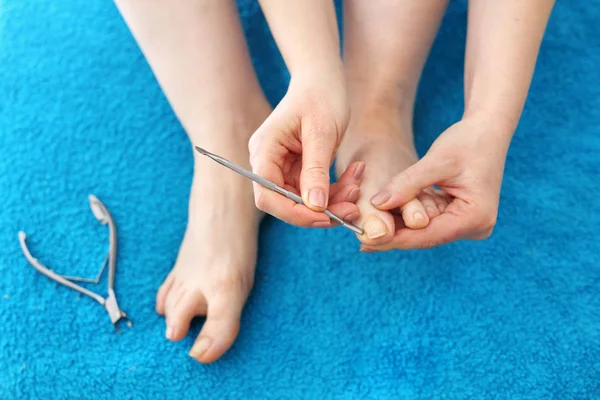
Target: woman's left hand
(467, 163)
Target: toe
(440, 198)
(162, 293)
(221, 327)
(429, 205)
(184, 306)
(414, 214)
(378, 226)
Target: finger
(429, 204)
(346, 211)
(345, 193)
(409, 183)
(221, 327)
(352, 175)
(317, 152)
(443, 229)
(285, 209)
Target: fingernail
(374, 228)
(358, 172)
(353, 195)
(316, 198)
(200, 347)
(380, 198)
(352, 216)
(321, 224)
(418, 215)
(170, 334)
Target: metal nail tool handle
(272, 186)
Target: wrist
(320, 68)
(497, 124)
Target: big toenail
(358, 172)
(170, 334)
(200, 347)
(380, 198)
(418, 215)
(374, 228)
(316, 198)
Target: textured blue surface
(515, 317)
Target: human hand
(295, 148)
(467, 163)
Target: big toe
(220, 329)
(378, 226)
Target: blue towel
(513, 317)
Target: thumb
(408, 184)
(317, 153)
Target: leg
(198, 53)
(386, 44)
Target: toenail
(170, 334)
(374, 228)
(381, 197)
(418, 215)
(200, 347)
(431, 210)
(316, 198)
(358, 172)
(321, 224)
(353, 216)
(441, 207)
(353, 195)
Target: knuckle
(317, 173)
(253, 144)
(260, 201)
(486, 234)
(428, 244)
(403, 178)
(486, 222)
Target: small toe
(414, 214)
(162, 293)
(429, 204)
(441, 200)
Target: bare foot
(214, 271)
(386, 146)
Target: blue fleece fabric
(513, 317)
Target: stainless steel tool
(272, 186)
(110, 302)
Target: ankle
(228, 129)
(381, 97)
